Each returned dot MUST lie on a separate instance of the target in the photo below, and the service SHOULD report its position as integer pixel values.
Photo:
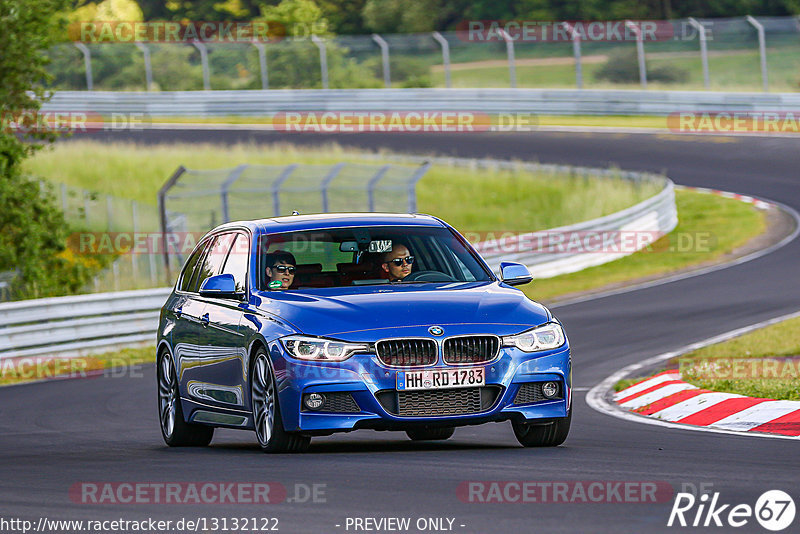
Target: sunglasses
(409, 260)
(285, 269)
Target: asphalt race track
(106, 429)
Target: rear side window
(188, 270)
(214, 259)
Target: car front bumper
(361, 392)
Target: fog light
(314, 401)
(549, 389)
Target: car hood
(370, 312)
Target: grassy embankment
(764, 363)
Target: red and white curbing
(668, 398)
(758, 203)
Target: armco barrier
(72, 326)
(539, 101)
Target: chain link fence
(737, 54)
(194, 201)
(103, 224)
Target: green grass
(753, 364)
(716, 225)
(760, 370)
(471, 200)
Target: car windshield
(366, 256)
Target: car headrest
(309, 268)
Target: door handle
(204, 319)
(178, 311)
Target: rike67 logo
(774, 510)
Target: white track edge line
(596, 397)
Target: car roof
(343, 220)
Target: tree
(32, 229)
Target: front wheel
(266, 413)
(430, 434)
(549, 435)
(174, 428)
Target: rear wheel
(549, 435)
(430, 434)
(266, 412)
(174, 428)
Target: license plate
(440, 378)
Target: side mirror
(514, 274)
(220, 286)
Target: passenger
(281, 267)
(397, 263)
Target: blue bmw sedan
(304, 326)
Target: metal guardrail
(263, 103)
(78, 325)
(73, 326)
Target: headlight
(545, 337)
(321, 350)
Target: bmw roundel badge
(436, 330)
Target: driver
(281, 267)
(397, 263)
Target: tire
(430, 434)
(549, 435)
(174, 428)
(266, 411)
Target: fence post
(445, 57)
(109, 213)
(372, 184)
(412, 186)
(115, 273)
(87, 63)
(387, 76)
(86, 207)
(323, 59)
(576, 50)
(134, 265)
(701, 31)
(276, 188)
(639, 51)
(162, 211)
(64, 198)
(326, 183)
(762, 50)
(262, 63)
(204, 60)
(225, 187)
(148, 67)
(512, 67)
